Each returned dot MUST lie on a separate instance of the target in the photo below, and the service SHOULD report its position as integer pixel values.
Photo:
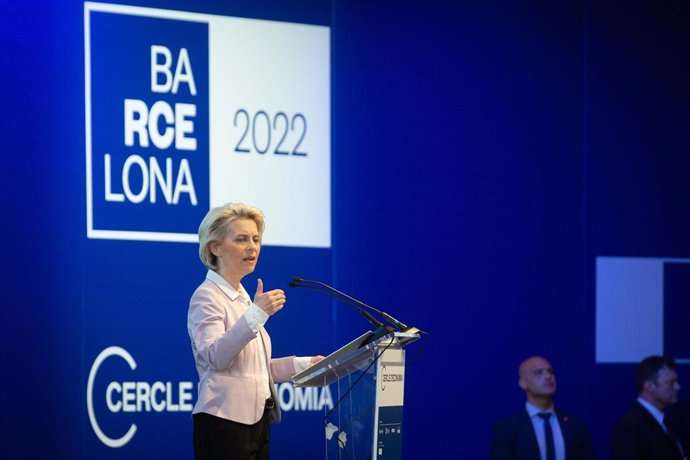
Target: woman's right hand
(270, 301)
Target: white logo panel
(270, 125)
(630, 308)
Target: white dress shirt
(538, 425)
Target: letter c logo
(110, 351)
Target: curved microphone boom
(296, 282)
(325, 288)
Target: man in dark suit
(539, 432)
(642, 433)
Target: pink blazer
(227, 357)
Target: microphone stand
(380, 331)
(344, 298)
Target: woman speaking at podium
(232, 350)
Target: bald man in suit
(538, 431)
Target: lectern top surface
(336, 355)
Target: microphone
(298, 282)
(341, 296)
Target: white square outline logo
(91, 232)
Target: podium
(370, 374)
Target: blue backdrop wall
(486, 159)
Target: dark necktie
(669, 431)
(548, 435)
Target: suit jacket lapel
(567, 432)
(527, 429)
(660, 432)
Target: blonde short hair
(215, 224)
